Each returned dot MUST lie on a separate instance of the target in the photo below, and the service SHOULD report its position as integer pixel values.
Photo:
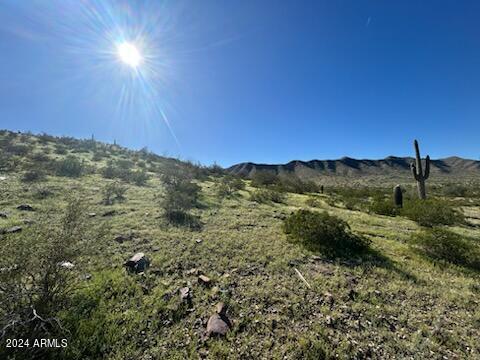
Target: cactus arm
(427, 168)
(414, 171)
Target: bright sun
(129, 54)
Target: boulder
(137, 263)
(218, 324)
(25, 207)
(3, 215)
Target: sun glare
(129, 54)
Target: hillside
(392, 169)
(80, 209)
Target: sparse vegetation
(411, 293)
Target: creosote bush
(181, 195)
(114, 192)
(319, 231)
(444, 245)
(383, 206)
(70, 166)
(228, 186)
(432, 212)
(267, 196)
(34, 287)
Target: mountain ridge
(346, 167)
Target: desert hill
(394, 168)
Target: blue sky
(262, 81)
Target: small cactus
(417, 172)
(398, 196)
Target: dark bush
(382, 206)
(432, 212)
(228, 185)
(33, 175)
(455, 190)
(267, 196)
(444, 245)
(114, 192)
(294, 184)
(264, 178)
(70, 167)
(319, 231)
(181, 195)
(139, 178)
(313, 202)
(60, 149)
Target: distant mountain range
(348, 169)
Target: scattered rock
(185, 293)
(121, 238)
(2, 178)
(204, 280)
(87, 276)
(92, 214)
(329, 300)
(109, 213)
(66, 265)
(25, 207)
(352, 294)
(218, 324)
(11, 230)
(137, 263)
(193, 271)
(3, 215)
(198, 241)
(329, 320)
(28, 221)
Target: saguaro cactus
(418, 173)
(398, 196)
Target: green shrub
(71, 166)
(267, 196)
(432, 212)
(383, 206)
(181, 195)
(34, 287)
(313, 202)
(228, 185)
(139, 178)
(293, 184)
(264, 178)
(33, 175)
(114, 192)
(444, 245)
(322, 232)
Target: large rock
(3, 215)
(25, 207)
(137, 263)
(218, 324)
(11, 230)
